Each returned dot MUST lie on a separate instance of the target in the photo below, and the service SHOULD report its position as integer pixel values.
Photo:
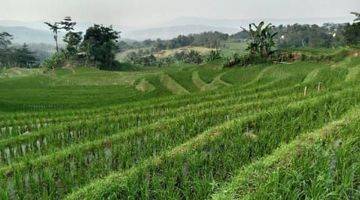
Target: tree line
(265, 40)
(206, 39)
(11, 56)
(304, 35)
(99, 44)
(288, 36)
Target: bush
(55, 61)
(163, 62)
(245, 60)
(214, 55)
(286, 56)
(335, 57)
(352, 34)
(194, 57)
(147, 60)
(191, 57)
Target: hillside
(169, 32)
(166, 53)
(28, 35)
(279, 131)
(38, 32)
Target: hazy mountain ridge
(37, 32)
(236, 23)
(173, 31)
(23, 34)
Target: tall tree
(5, 52)
(23, 57)
(100, 45)
(352, 31)
(72, 40)
(55, 28)
(5, 40)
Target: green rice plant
(208, 74)
(46, 119)
(133, 106)
(183, 76)
(193, 170)
(18, 127)
(74, 90)
(38, 124)
(320, 165)
(62, 136)
(97, 158)
(65, 97)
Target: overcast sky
(137, 13)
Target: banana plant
(262, 39)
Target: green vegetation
(201, 131)
(320, 165)
(97, 48)
(265, 44)
(352, 31)
(176, 123)
(262, 39)
(15, 56)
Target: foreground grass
(209, 158)
(319, 165)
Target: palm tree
(68, 24)
(55, 29)
(357, 16)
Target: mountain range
(37, 32)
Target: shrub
(55, 61)
(214, 55)
(163, 62)
(352, 34)
(286, 56)
(245, 60)
(191, 57)
(335, 57)
(147, 60)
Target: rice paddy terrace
(282, 131)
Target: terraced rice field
(286, 131)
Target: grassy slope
(192, 143)
(295, 73)
(87, 87)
